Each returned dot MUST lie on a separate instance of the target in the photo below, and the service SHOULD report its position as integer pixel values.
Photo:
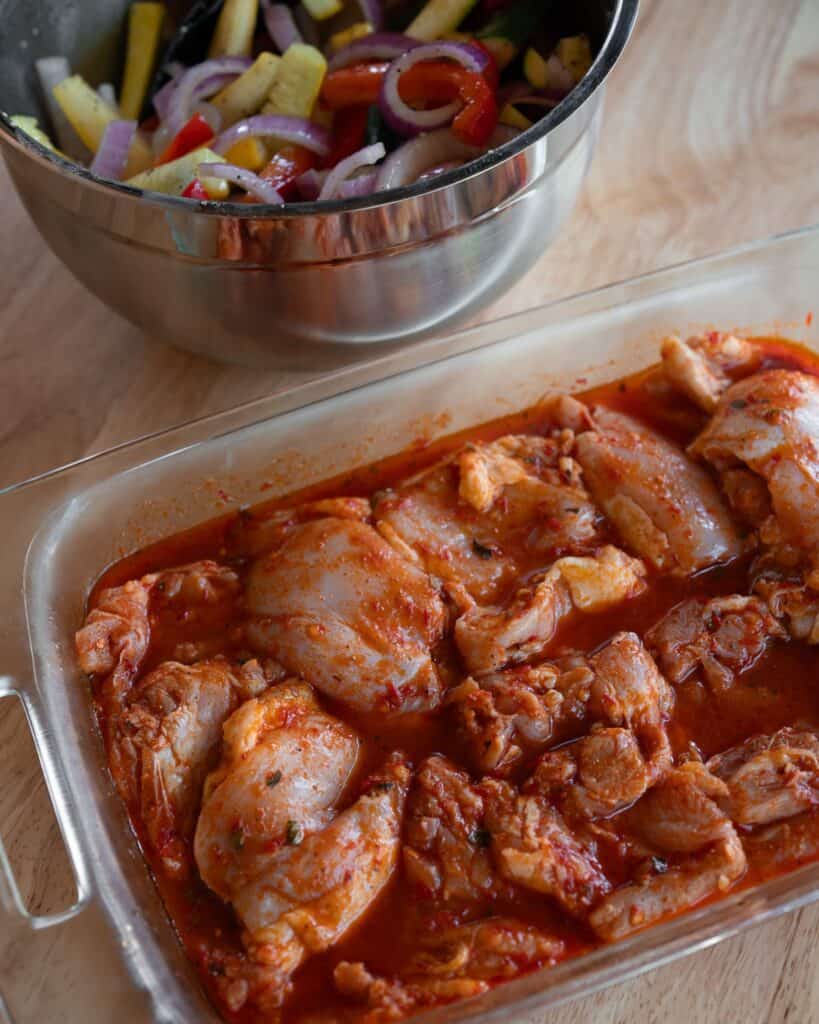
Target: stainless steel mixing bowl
(307, 284)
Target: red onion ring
(250, 182)
(399, 115)
(361, 185)
(112, 155)
(309, 184)
(197, 83)
(376, 46)
(280, 24)
(331, 189)
(292, 129)
(408, 163)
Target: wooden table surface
(711, 139)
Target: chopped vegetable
(247, 180)
(536, 69)
(376, 46)
(512, 116)
(144, 29)
(298, 82)
(355, 86)
(350, 133)
(112, 156)
(249, 153)
(574, 53)
(246, 94)
(90, 116)
(509, 31)
(51, 71)
(294, 833)
(235, 29)
(290, 129)
(280, 24)
(342, 39)
(322, 9)
(287, 166)
(438, 17)
(365, 157)
(29, 126)
(196, 133)
(174, 178)
(196, 191)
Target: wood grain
(711, 138)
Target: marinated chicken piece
(487, 513)
(336, 605)
(666, 508)
(445, 849)
(165, 743)
(503, 715)
(769, 424)
(533, 847)
(491, 637)
(724, 636)
(699, 368)
(627, 751)
(599, 774)
(520, 709)
(784, 844)
(260, 530)
(270, 840)
(117, 631)
(770, 777)
(794, 604)
(451, 964)
(284, 761)
(681, 818)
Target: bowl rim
(620, 29)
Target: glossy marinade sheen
(778, 690)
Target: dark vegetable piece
(189, 43)
(515, 24)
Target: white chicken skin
(336, 605)
(665, 507)
(165, 741)
(271, 841)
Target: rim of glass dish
(404, 360)
(620, 29)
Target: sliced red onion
(561, 81)
(210, 114)
(291, 129)
(199, 82)
(245, 179)
(376, 46)
(373, 13)
(112, 155)
(344, 168)
(281, 27)
(309, 184)
(162, 97)
(399, 115)
(361, 185)
(409, 162)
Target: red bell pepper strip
(194, 134)
(349, 132)
(431, 83)
(196, 190)
(289, 163)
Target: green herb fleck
(738, 403)
(274, 779)
(382, 787)
(481, 550)
(480, 837)
(294, 833)
(237, 838)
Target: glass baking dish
(63, 528)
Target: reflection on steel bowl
(307, 283)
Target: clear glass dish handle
(11, 899)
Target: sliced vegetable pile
(321, 100)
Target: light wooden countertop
(710, 139)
